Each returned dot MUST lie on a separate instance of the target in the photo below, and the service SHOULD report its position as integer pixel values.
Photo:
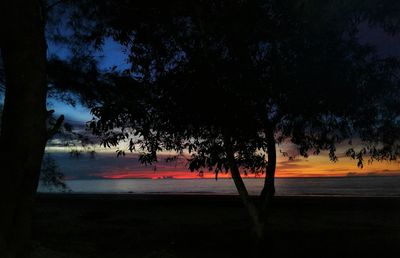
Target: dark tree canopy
(201, 69)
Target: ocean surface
(345, 186)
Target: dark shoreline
(205, 196)
(132, 225)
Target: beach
(129, 225)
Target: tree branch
(56, 127)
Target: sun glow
(316, 166)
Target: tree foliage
(51, 176)
(244, 68)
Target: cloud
(293, 164)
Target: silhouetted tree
(23, 127)
(50, 174)
(225, 81)
(26, 124)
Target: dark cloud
(293, 164)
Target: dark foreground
(212, 226)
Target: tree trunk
(23, 126)
(241, 187)
(268, 191)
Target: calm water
(348, 186)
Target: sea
(366, 186)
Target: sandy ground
(74, 225)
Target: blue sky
(112, 54)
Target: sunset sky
(107, 165)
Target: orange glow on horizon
(315, 166)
